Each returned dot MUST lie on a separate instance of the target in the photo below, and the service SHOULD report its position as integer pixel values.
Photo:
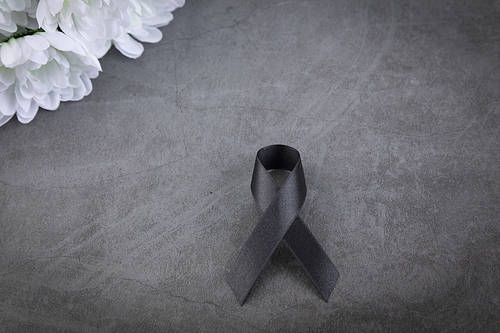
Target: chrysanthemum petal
(27, 115)
(10, 53)
(128, 46)
(148, 34)
(37, 42)
(60, 41)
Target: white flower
(93, 22)
(144, 18)
(41, 70)
(14, 13)
(100, 23)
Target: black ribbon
(281, 205)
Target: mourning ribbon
(280, 205)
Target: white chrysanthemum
(14, 13)
(144, 19)
(99, 23)
(93, 22)
(41, 70)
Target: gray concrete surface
(121, 212)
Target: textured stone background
(121, 212)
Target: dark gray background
(121, 212)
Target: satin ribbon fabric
(280, 204)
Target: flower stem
(27, 32)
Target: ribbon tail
(255, 253)
(312, 257)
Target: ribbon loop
(280, 205)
